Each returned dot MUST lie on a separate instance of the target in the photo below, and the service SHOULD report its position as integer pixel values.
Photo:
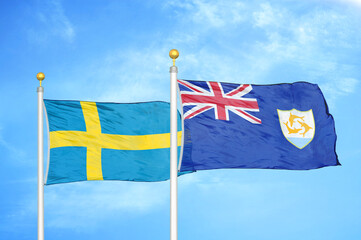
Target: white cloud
(311, 41)
(338, 87)
(267, 16)
(290, 38)
(303, 40)
(84, 205)
(210, 13)
(135, 76)
(356, 3)
(13, 151)
(53, 22)
(348, 85)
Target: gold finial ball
(40, 76)
(173, 53)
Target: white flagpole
(40, 76)
(173, 148)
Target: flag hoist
(40, 76)
(173, 148)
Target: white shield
(298, 127)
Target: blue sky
(118, 51)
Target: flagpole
(173, 148)
(40, 76)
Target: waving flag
(283, 126)
(108, 141)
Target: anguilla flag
(108, 141)
(280, 126)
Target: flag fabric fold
(108, 141)
(280, 126)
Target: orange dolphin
(292, 130)
(293, 117)
(307, 128)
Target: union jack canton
(215, 97)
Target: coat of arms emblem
(298, 127)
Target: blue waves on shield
(280, 126)
(108, 141)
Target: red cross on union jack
(215, 98)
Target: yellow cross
(94, 140)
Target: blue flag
(281, 126)
(108, 141)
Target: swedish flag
(108, 141)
